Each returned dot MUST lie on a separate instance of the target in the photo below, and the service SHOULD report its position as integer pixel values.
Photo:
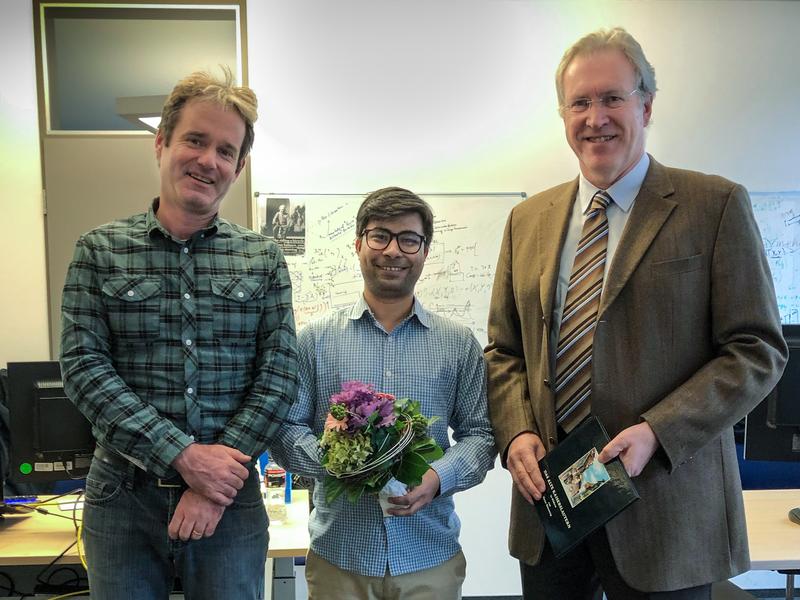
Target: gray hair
(610, 39)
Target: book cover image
(581, 493)
(583, 477)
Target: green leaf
(424, 444)
(411, 469)
(376, 481)
(428, 449)
(333, 489)
(433, 454)
(354, 492)
(381, 441)
(381, 472)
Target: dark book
(582, 493)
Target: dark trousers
(578, 575)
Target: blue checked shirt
(426, 358)
(165, 342)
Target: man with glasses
(389, 340)
(641, 294)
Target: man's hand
(215, 471)
(195, 517)
(522, 461)
(634, 445)
(418, 497)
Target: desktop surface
(33, 538)
(774, 539)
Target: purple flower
(362, 401)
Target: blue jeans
(131, 556)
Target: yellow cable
(81, 555)
(71, 594)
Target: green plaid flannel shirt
(165, 342)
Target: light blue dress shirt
(427, 358)
(623, 193)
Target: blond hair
(203, 86)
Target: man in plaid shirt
(178, 344)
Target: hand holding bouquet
(371, 437)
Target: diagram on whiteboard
(778, 217)
(459, 271)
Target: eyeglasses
(379, 238)
(611, 101)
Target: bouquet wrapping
(371, 437)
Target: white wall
(23, 287)
(447, 96)
(458, 96)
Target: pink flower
(332, 423)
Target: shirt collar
(360, 308)
(153, 224)
(623, 192)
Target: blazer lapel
(552, 232)
(650, 211)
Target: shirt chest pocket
(237, 308)
(133, 307)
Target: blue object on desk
(287, 495)
(21, 499)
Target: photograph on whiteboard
(284, 220)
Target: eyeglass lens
(408, 241)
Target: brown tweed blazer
(688, 338)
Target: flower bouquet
(371, 437)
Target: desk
(774, 539)
(36, 539)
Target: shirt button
(187, 296)
(188, 342)
(190, 390)
(131, 292)
(186, 251)
(388, 373)
(240, 294)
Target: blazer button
(552, 440)
(546, 383)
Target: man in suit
(678, 337)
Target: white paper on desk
(390, 490)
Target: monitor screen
(772, 429)
(50, 439)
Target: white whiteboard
(778, 217)
(456, 281)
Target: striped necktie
(574, 351)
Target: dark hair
(391, 202)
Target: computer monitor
(772, 429)
(50, 439)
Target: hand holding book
(522, 460)
(581, 492)
(634, 445)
